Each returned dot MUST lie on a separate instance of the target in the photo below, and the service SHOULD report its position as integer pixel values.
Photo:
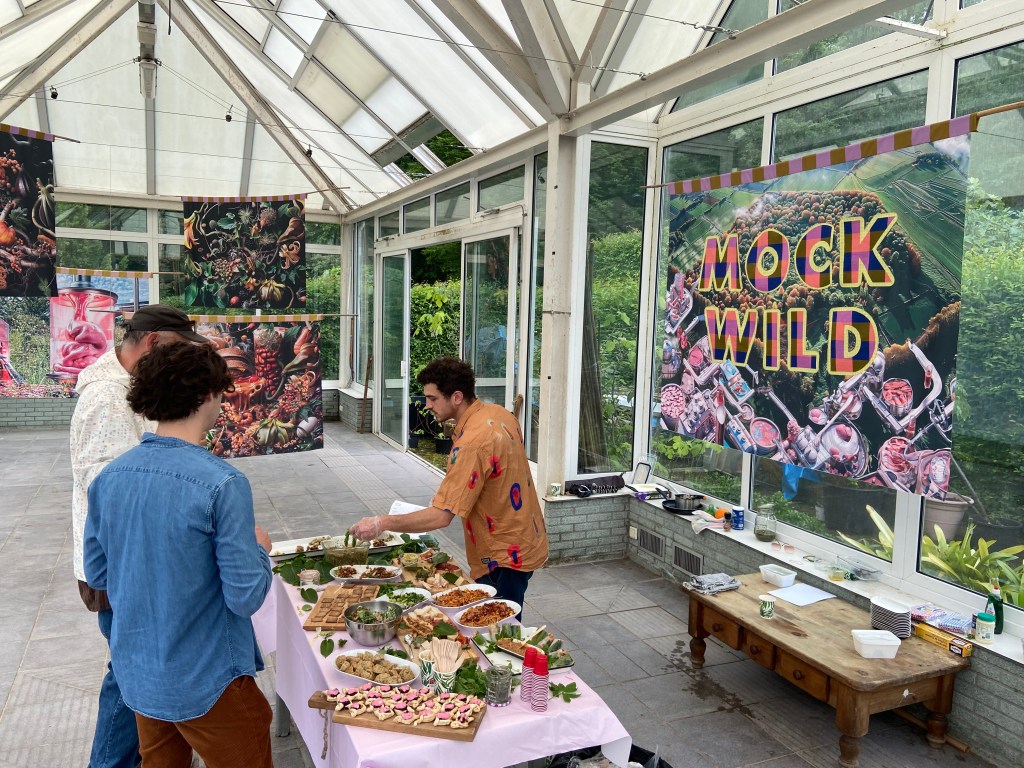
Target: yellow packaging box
(951, 643)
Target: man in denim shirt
(172, 538)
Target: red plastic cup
(540, 665)
(531, 657)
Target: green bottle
(995, 607)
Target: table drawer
(759, 649)
(803, 675)
(724, 629)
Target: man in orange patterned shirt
(488, 486)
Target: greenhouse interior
(671, 240)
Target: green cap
(986, 617)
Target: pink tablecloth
(507, 736)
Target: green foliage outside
(29, 335)
(434, 314)
(445, 145)
(323, 289)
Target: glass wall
(485, 315)
(452, 204)
(102, 254)
(323, 291)
(389, 224)
(502, 189)
(417, 215)
(615, 223)
(170, 223)
(531, 418)
(839, 120)
(731, 149)
(109, 217)
(362, 276)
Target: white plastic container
(875, 643)
(777, 575)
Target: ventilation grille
(650, 542)
(688, 561)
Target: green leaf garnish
(326, 647)
(450, 577)
(444, 629)
(308, 594)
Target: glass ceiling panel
(393, 104)
(497, 12)
(331, 98)
(658, 43)
(282, 52)
(579, 20)
(272, 173)
(9, 11)
(25, 116)
(365, 131)
(472, 110)
(248, 18)
(18, 50)
(340, 52)
(304, 16)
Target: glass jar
(766, 525)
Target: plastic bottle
(994, 606)
(737, 518)
(984, 627)
(526, 681)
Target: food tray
(421, 593)
(361, 569)
(284, 550)
(398, 660)
(487, 589)
(421, 622)
(329, 611)
(389, 539)
(516, 610)
(319, 701)
(513, 659)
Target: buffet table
(507, 736)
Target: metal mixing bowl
(373, 633)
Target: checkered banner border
(13, 129)
(254, 199)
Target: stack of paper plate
(891, 615)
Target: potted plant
(443, 442)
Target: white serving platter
(283, 550)
(423, 594)
(388, 657)
(501, 658)
(516, 610)
(361, 569)
(451, 610)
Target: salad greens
(471, 680)
(368, 616)
(289, 569)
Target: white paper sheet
(801, 594)
(403, 508)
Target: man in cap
(102, 428)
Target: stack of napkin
(713, 583)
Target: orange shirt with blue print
(490, 488)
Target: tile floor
(625, 627)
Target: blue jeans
(510, 583)
(116, 741)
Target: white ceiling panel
(304, 16)
(579, 20)
(340, 52)
(248, 18)
(281, 51)
(323, 91)
(19, 50)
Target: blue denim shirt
(170, 536)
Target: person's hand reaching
(263, 539)
(368, 528)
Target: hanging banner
(812, 308)
(28, 245)
(277, 405)
(245, 253)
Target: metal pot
(373, 634)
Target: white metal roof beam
(789, 31)
(600, 40)
(203, 42)
(545, 54)
(247, 144)
(498, 48)
(63, 50)
(232, 28)
(917, 30)
(466, 59)
(39, 11)
(618, 49)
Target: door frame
(378, 343)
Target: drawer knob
(755, 649)
(716, 627)
(798, 674)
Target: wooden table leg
(938, 708)
(697, 649)
(852, 718)
(697, 634)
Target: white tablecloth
(508, 735)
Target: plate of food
(487, 613)
(421, 622)
(310, 546)
(409, 597)
(454, 600)
(509, 647)
(389, 539)
(367, 574)
(376, 667)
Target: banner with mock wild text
(811, 310)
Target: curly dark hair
(450, 375)
(173, 380)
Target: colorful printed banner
(256, 199)
(813, 317)
(277, 405)
(249, 255)
(28, 245)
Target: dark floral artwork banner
(28, 245)
(245, 254)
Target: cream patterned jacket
(102, 428)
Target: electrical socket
(632, 532)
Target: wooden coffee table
(812, 648)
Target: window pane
(362, 273)
(741, 15)
(860, 114)
(540, 201)
(505, 188)
(731, 149)
(417, 215)
(452, 204)
(323, 296)
(918, 13)
(102, 254)
(389, 224)
(323, 233)
(988, 431)
(170, 223)
(172, 286)
(108, 217)
(828, 505)
(615, 223)
(969, 3)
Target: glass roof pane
(331, 99)
(340, 52)
(304, 16)
(579, 20)
(18, 50)
(393, 104)
(9, 11)
(496, 11)
(366, 131)
(25, 116)
(248, 18)
(282, 52)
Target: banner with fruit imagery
(245, 253)
(812, 308)
(28, 245)
(277, 405)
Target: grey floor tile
(675, 696)
(650, 622)
(615, 597)
(564, 604)
(731, 737)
